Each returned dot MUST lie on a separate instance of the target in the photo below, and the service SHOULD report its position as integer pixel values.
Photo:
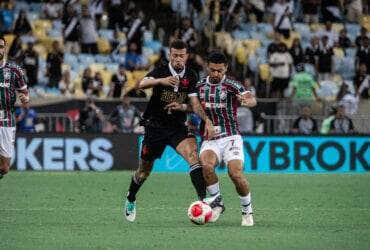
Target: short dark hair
(2, 38)
(217, 57)
(178, 44)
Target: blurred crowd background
(307, 61)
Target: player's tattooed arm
(197, 109)
(247, 99)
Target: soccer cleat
(130, 210)
(217, 206)
(247, 219)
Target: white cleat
(216, 212)
(130, 211)
(247, 220)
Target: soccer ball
(199, 212)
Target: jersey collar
(174, 73)
(221, 82)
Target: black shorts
(279, 84)
(156, 140)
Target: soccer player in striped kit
(12, 81)
(220, 97)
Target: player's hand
(25, 99)
(169, 81)
(209, 130)
(247, 99)
(174, 106)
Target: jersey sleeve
(20, 79)
(193, 86)
(237, 88)
(155, 73)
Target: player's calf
(4, 166)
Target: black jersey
(155, 115)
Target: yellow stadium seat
(42, 24)
(130, 79)
(9, 39)
(107, 76)
(264, 70)
(41, 50)
(252, 44)
(103, 45)
(66, 67)
(289, 42)
(95, 67)
(153, 59)
(241, 54)
(338, 52)
(316, 27)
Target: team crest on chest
(223, 95)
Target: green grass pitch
(83, 210)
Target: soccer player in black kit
(171, 83)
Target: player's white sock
(246, 203)
(214, 189)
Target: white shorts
(7, 139)
(226, 149)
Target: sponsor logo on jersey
(212, 105)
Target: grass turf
(80, 210)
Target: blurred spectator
(362, 82)
(341, 124)
(296, 52)
(22, 25)
(6, 17)
(193, 122)
(280, 66)
(135, 30)
(89, 34)
(96, 8)
(255, 7)
(71, 30)
(360, 38)
(305, 124)
(363, 55)
(330, 33)
(273, 47)
(187, 34)
(118, 82)
(30, 60)
(343, 41)
(310, 10)
(52, 9)
(196, 63)
(115, 41)
(54, 62)
(26, 119)
(15, 51)
(326, 123)
(91, 118)
(325, 61)
(96, 85)
(354, 10)
(331, 11)
(303, 85)
(244, 114)
(125, 116)
(86, 80)
(115, 14)
(133, 60)
(312, 51)
(282, 11)
(66, 86)
(347, 99)
(180, 6)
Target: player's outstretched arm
(175, 106)
(149, 82)
(247, 99)
(197, 109)
(24, 96)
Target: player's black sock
(1, 176)
(196, 175)
(134, 188)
